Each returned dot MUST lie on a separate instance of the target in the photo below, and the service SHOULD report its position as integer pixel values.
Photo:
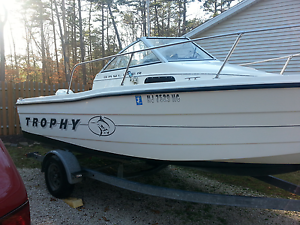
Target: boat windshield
(180, 52)
(138, 58)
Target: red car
(14, 204)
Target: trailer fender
(70, 162)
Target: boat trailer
(62, 171)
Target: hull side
(252, 126)
(242, 169)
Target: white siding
(263, 45)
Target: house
(253, 15)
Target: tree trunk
(82, 47)
(33, 59)
(156, 18)
(169, 20)
(15, 55)
(42, 42)
(54, 36)
(115, 26)
(49, 63)
(91, 67)
(144, 16)
(74, 42)
(216, 9)
(102, 36)
(27, 49)
(2, 51)
(65, 34)
(184, 17)
(108, 42)
(179, 18)
(66, 59)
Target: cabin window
(139, 58)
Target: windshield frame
(160, 58)
(176, 43)
(156, 52)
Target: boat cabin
(163, 59)
(158, 62)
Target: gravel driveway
(105, 204)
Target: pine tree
(216, 7)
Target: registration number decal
(163, 98)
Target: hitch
(36, 156)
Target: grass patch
(18, 154)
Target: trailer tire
(56, 178)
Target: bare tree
(15, 55)
(41, 21)
(74, 33)
(54, 36)
(3, 19)
(114, 24)
(102, 33)
(63, 44)
(82, 47)
(91, 67)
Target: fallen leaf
(105, 218)
(155, 211)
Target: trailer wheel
(56, 178)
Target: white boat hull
(238, 125)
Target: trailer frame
(75, 173)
